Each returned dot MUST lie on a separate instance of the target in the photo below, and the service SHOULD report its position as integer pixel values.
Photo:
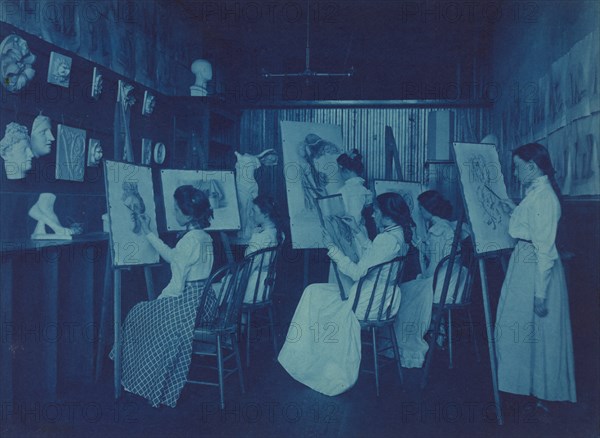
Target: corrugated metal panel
(363, 129)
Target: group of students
(156, 349)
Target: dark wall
(82, 202)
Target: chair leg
(473, 336)
(220, 370)
(248, 315)
(238, 360)
(375, 360)
(273, 334)
(396, 353)
(450, 365)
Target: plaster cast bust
(15, 63)
(41, 136)
(247, 186)
(15, 150)
(203, 71)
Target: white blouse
(355, 196)
(191, 259)
(386, 245)
(536, 219)
(261, 239)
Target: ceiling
(399, 50)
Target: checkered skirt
(157, 344)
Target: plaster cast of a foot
(43, 212)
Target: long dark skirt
(157, 344)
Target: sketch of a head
(133, 201)
(213, 190)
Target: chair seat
(257, 305)
(365, 324)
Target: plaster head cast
(15, 150)
(41, 136)
(202, 69)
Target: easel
(112, 278)
(437, 317)
(391, 153)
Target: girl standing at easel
(533, 328)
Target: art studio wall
(364, 129)
(546, 66)
(133, 39)
(77, 201)
(543, 43)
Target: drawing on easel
(482, 186)
(410, 192)
(219, 186)
(310, 151)
(331, 212)
(130, 200)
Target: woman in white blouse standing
(157, 335)
(534, 346)
(322, 347)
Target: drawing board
(130, 200)
(482, 187)
(219, 186)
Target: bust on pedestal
(203, 71)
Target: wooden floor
(457, 402)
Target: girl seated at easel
(331, 366)
(418, 296)
(157, 335)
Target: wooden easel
(391, 154)
(112, 285)
(437, 317)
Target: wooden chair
(385, 280)
(261, 280)
(215, 338)
(462, 298)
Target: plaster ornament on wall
(15, 150)
(203, 71)
(43, 212)
(160, 151)
(146, 151)
(70, 153)
(97, 81)
(41, 136)
(125, 94)
(149, 104)
(95, 152)
(15, 63)
(59, 70)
